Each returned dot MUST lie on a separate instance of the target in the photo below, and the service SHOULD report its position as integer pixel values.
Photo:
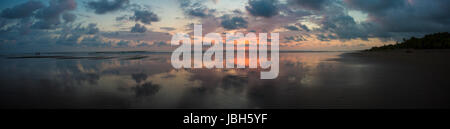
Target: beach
(405, 78)
(308, 80)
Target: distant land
(430, 41)
(429, 53)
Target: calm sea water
(147, 80)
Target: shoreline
(415, 56)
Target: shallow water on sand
(147, 80)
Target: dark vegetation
(431, 41)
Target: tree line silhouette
(430, 41)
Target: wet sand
(405, 78)
(307, 80)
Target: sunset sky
(97, 25)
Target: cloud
(22, 10)
(344, 27)
(210, 24)
(322, 19)
(231, 23)
(297, 27)
(288, 16)
(26, 32)
(49, 17)
(335, 23)
(23, 26)
(195, 9)
(263, 8)
(325, 37)
(4, 22)
(71, 35)
(406, 16)
(123, 43)
(146, 17)
(167, 28)
(141, 14)
(295, 38)
(375, 5)
(69, 17)
(269, 24)
(95, 41)
(139, 77)
(122, 18)
(92, 29)
(388, 20)
(303, 27)
(155, 44)
(148, 36)
(67, 37)
(292, 28)
(106, 6)
(146, 89)
(160, 44)
(35, 15)
(138, 28)
(310, 4)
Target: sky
(101, 25)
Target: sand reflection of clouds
(306, 64)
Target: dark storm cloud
(138, 28)
(310, 4)
(22, 10)
(425, 16)
(231, 23)
(144, 16)
(49, 17)
(263, 8)
(195, 8)
(105, 6)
